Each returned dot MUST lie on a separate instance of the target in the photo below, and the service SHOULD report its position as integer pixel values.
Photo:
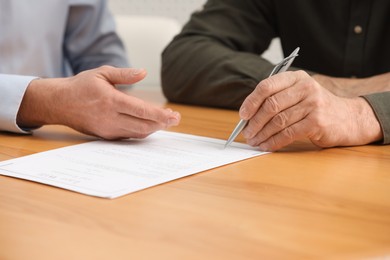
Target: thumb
(123, 75)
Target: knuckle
(271, 105)
(318, 121)
(316, 99)
(250, 104)
(256, 121)
(315, 88)
(267, 86)
(301, 73)
(280, 120)
(318, 102)
(307, 86)
(272, 144)
(264, 135)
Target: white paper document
(112, 169)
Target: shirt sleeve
(90, 38)
(12, 89)
(215, 60)
(381, 106)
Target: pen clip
(285, 63)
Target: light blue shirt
(51, 38)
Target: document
(110, 169)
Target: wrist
(365, 125)
(327, 83)
(38, 106)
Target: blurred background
(176, 9)
(147, 26)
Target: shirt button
(358, 29)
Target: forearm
(210, 74)
(353, 87)
(218, 63)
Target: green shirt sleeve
(380, 103)
(215, 60)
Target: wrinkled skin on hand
(293, 105)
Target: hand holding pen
(293, 105)
(280, 67)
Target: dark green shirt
(215, 60)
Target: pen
(280, 67)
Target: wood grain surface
(299, 203)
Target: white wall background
(178, 9)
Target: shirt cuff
(381, 106)
(12, 88)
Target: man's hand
(292, 105)
(90, 103)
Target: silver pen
(280, 67)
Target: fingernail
(169, 110)
(177, 115)
(174, 119)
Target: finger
(286, 136)
(274, 105)
(267, 88)
(132, 127)
(122, 75)
(279, 122)
(138, 108)
(124, 126)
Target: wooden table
(301, 202)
